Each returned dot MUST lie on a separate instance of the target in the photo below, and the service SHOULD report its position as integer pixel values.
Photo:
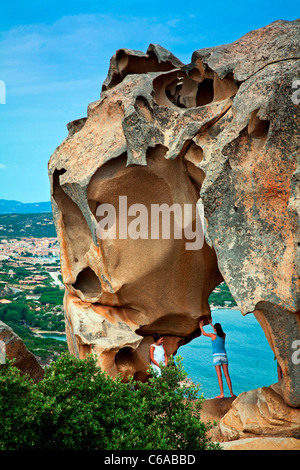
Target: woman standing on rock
(157, 353)
(219, 355)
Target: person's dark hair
(157, 336)
(219, 330)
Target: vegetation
(221, 297)
(52, 296)
(27, 225)
(14, 274)
(44, 349)
(43, 314)
(78, 407)
(20, 315)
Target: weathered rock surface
(214, 409)
(260, 412)
(256, 420)
(223, 132)
(15, 349)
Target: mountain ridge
(11, 206)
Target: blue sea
(251, 360)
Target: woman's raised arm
(201, 324)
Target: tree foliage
(78, 407)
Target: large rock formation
(221, 132)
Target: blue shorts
(219, 359)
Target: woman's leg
(220, 380)
(227, 377)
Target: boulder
(15, 349)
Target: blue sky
(54, 57)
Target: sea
(250, 357)
(251, 360)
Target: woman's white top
(159, 356)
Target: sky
(54, 57)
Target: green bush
(53, 297)
(19, 313)
(78, 407)
(16, 311)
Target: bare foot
(220, 396)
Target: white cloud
(2, 166)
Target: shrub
(17, 394)
(78, 407)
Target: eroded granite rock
(223, 132)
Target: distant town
(31, 287)
(28, 262)
(29, 250)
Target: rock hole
(205, 93)
(192, 157)
(122, 355)
(257, 127)
(75, 225)
(126, 63)
(143, 108)
(88, 283)
(56, 183)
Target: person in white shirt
(158, 354)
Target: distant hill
(27, 225)
(17, 207)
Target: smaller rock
(25, 361)
(261, 412)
